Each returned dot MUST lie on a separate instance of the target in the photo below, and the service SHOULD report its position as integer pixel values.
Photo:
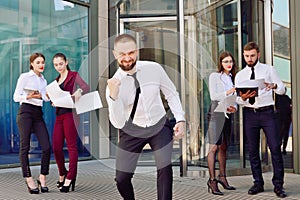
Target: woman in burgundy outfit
(66, 123)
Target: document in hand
(60, 98)
(88, 102)
(252, 85)
(226, 103)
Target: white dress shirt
(152, 79)
(28, 82)
(219, 84)
(262, 71)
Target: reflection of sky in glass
(281, 12)
(283, 68)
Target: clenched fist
(113, 86)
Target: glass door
(213, 29)
(157, 41)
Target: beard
(127, 68)
(253, 64)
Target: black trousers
(254, 121)
(128, 151)
(30, 120)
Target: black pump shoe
(67, 188)
(60, 184)
(32, 191)
(213, 186)
(225, 185)
(43, 189)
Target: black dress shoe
(280, 192)
(256, 189)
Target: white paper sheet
(260, 83)
(88, 102)
(227, 102)
(60, 98)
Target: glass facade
(210, 27)
(216, 31)
(49, 27)
(148, 8)
(282, 58)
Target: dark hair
(220, 66)
(61, 55)
(251, 45)
(35, 56)
(125, 38)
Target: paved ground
(96, 181)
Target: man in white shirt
(259, 114)
(135, 107)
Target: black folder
(245, 89)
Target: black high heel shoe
(43, 189)
(213, 186)
(32, 191)
(67, 188)
(60, 184)
(225, 184)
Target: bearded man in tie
(258, 113)
(136, 109)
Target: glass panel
(146, 7)
(47, 26)
(281, 40)
(215, 29)
(155, 39)
(281, 61)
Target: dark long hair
(61, 55)
(33, 57)
(220, 66)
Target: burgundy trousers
(65, 129)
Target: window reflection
(281, 40)
(48, 26)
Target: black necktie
(137, 94)
(252, 99)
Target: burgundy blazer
(73, 82)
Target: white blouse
(219, 83)
(27, 82)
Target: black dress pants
(128, 151)
(254, 121)
(30, 120)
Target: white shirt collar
(31, 73)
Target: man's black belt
(260, 109)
